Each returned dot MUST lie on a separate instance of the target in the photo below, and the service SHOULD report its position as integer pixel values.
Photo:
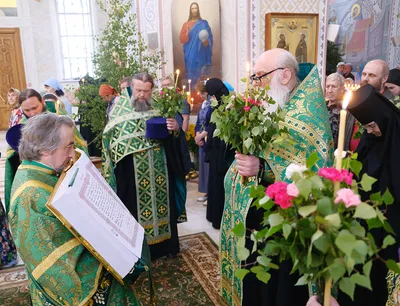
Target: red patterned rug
(190, 279)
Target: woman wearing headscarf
(378, 152)
(54, 86)
(393, 84)
(220, 156)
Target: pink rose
(278, 193)
(276, 188)
(348, 197)
(246, 108)
(346, 177)
(161, 93)
(331, 174)
(283, 200)
(292, 190)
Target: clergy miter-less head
(142, 86)
(276, 68)
(375, 73)
(377, 114)
(31, 103)
(49, 139)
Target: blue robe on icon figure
(197, 41)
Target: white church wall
(41, 48)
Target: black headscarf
(215, 87)
(379, 155)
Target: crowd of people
(148, 175)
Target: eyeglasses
(257, 79)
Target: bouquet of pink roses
(319, 229)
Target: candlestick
(183, 88)
(177, 77)
(342, 128)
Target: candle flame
(189, 81)
(346, 100)
(183, 87)
(177, 71)
(188, 93)
(192, 99)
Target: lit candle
(183, 88)
(190, 81)
(177, 77)
(57, 107)
(247, 82)
(191, 104)
(342, 129)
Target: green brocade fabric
(12, 160)
(60, 269)
(125, 135)
(308, 124)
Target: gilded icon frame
(290, 27)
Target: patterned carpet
(191, 278)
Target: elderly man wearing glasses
(308, 123)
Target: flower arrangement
(318, 229)
(168, 101)
(248, 127)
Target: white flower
(344, 153)
(293, 168)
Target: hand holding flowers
(319, 230)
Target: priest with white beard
(308, 124)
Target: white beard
(280, 93)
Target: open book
(85, 203)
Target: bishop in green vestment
(32, 104)
(142, 170)
(61, 271)
(308, 124)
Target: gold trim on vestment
(9, 153)
(54, 257)
(37, 168)
(95, 286)
(31, 183)
(80, 141)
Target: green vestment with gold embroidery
(60, 270)
(12, 160)
(124, 137)
(308, 124)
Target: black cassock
(178, 164)
(220, 157)
(380, 159)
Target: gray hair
(287, 60)
(144, 77)
(336, 77)
(42, 133)
(167, 77)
